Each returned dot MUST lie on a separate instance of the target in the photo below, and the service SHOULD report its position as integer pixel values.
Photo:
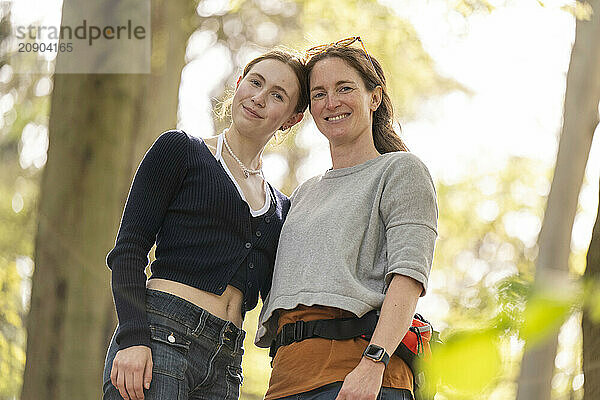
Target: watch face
(374, 352)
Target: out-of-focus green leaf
(467, 363)
(545, 313)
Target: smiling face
(265, 98)
(340, 104)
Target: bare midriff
(227, 306)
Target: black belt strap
(339, 328)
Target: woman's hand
(364, 382)
(131, 368)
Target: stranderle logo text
(83, 31)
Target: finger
(138, 378)
(113, 374)
(121, 385)
(129, 385)
(148, 373)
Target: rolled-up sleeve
(409, 212)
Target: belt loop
(200, 324)
(222, 334)
(299, 331)
(239, 341)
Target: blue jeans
(330, 392)
(195, 354)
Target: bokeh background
(485, 93)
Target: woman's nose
(259, 99)
(332, 102)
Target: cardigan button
(250, 265)
(248, 245)
(258, 233)
(267, 219)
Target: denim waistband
(196, 319)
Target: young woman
(216, 223)
(359, 237)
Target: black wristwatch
(377, 354)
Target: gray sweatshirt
(348, 232)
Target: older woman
(359, 237)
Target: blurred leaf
(545, 313)
(467, 363)
(512, 296)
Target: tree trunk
(591, 328)
(99, 126)
(580, 120)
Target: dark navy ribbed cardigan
(182, 199)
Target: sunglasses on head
(313, 51)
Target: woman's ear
(293, 120)
(376, 96)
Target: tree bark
(591, 328)
(580, 120)
(99, 126)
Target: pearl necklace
(247, 171)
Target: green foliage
(487, 233)
(545, 313)
(482, 272)
(18, 197)
(12, 335)
(16, 242)
(467, 364)
(512, 296)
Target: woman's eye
(318, 95)
(278, 96)
(345, 89)
(255, 82)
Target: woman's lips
(335, 118)
(251, 112)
